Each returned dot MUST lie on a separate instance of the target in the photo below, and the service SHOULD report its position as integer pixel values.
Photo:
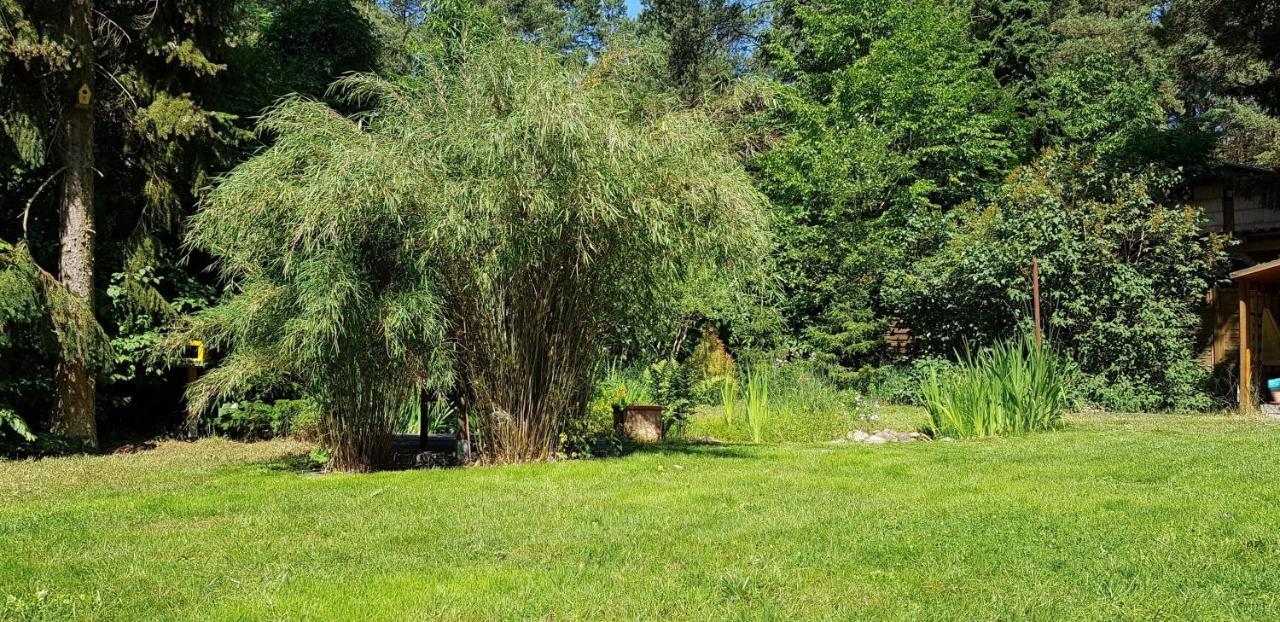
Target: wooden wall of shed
(1260, 298)
(897, 341)
(1219, 339)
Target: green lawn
(1116, 517)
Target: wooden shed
(1258, 289)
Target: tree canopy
(505, 194)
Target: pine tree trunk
(75, 416)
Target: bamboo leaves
(487, 223)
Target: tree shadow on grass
(303, 463)
(300, 463)
(701, 449)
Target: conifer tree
(105, 102)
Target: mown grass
(1114, 517)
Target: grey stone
(858, 436)
(876, 440)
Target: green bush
(672, 388)
(1011, 387)
(594, 435)
(297, 418)
(1124, 270)
(711, 367)
(490, 221)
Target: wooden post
(1247, 393)
(1035, 299)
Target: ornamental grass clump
(1012, 387)
(729, 398)
(480, 228)
(757, 395)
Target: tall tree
(1228, 57)
(891, 118)
(76, 414)
(708, 42)
(107, 100)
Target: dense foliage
(1060, 125)
(1122, 275)
(890, 117)
(916, 157)
(38, 320)
(177, 85)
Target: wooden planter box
(641, 423)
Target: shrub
(620, 388)
(1186, 389)
(1124, 270)
(900, 383)
(495, 219)
(304, 419)
(243, 420)
(710, 367)
(670, 385)
(1011, 387)
(594, 434)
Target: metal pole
(1035, 299)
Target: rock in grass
(876, 439)
(858, 436)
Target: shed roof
(1268, 272)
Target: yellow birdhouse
(84, 96)
(195, 359)
(195, 353)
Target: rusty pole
(1035, 299)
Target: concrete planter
(641, 423)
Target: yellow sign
(85, 95)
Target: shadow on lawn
(305, 464)
(701, 449)
(300, 463)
